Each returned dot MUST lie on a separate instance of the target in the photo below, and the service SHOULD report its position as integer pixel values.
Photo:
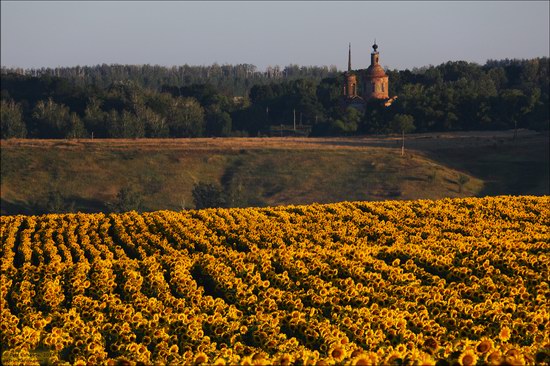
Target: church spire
(349, 58)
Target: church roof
(375, 71)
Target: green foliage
(218, 123)
(95, 119)
(186, 118)
(124, 125)
(11, 119)
(56, 202)
(402, 123)
(55, 120)
(207, 195)
(215, 100)
(128, 198)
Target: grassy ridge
(262, 172)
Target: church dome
(375, 71)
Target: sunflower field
(453, 281)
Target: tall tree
(12, 121)
(403, 123)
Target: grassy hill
(270, 171)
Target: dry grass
(273, 171)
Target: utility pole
(294, 111)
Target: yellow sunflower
(494, 358)
(394, 357)
(366, 359)
(425, 359)
(504, 334)
(337, 352)
(246, 361)
(467, 358)
(219, 362)
(484, 345)
(201, 357)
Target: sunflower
(531, 328)
(246, 361)
(284, 359)
(394, 358)
(201, 357)
(467, 358)
(365, 359)
(431, 344)
(337, 352)
(494, 358)
(219, 362)
(504, 334)
(401, 348)
(425, 359)
(484, 345)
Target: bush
(127, 199)
(206, 195)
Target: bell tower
(350, 84)
(376, 80)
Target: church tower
(376, 80)
(350, 84)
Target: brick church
(374, 82)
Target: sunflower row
(461, 280)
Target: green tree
(95, 119)
(403, 123)
(125, 125)
(513, 105)
(154, 124)
(128, 198)
(218, 123)
(186, 118)
(75, 128)
(11, 120)
(56, 121)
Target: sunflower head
(246, 361)
(467, 358)
(366, 359)
(284, 359)
(431, 344)
(484, 345)
(200, 358)
(394, 358)
(220, 361)
(494, 358)
(504, 334)
(337, 352)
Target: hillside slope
(267, 172)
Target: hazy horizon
(410, 34)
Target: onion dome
(375, 71)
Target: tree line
(125, 101)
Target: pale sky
(409, 34)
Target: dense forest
(127, 101)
